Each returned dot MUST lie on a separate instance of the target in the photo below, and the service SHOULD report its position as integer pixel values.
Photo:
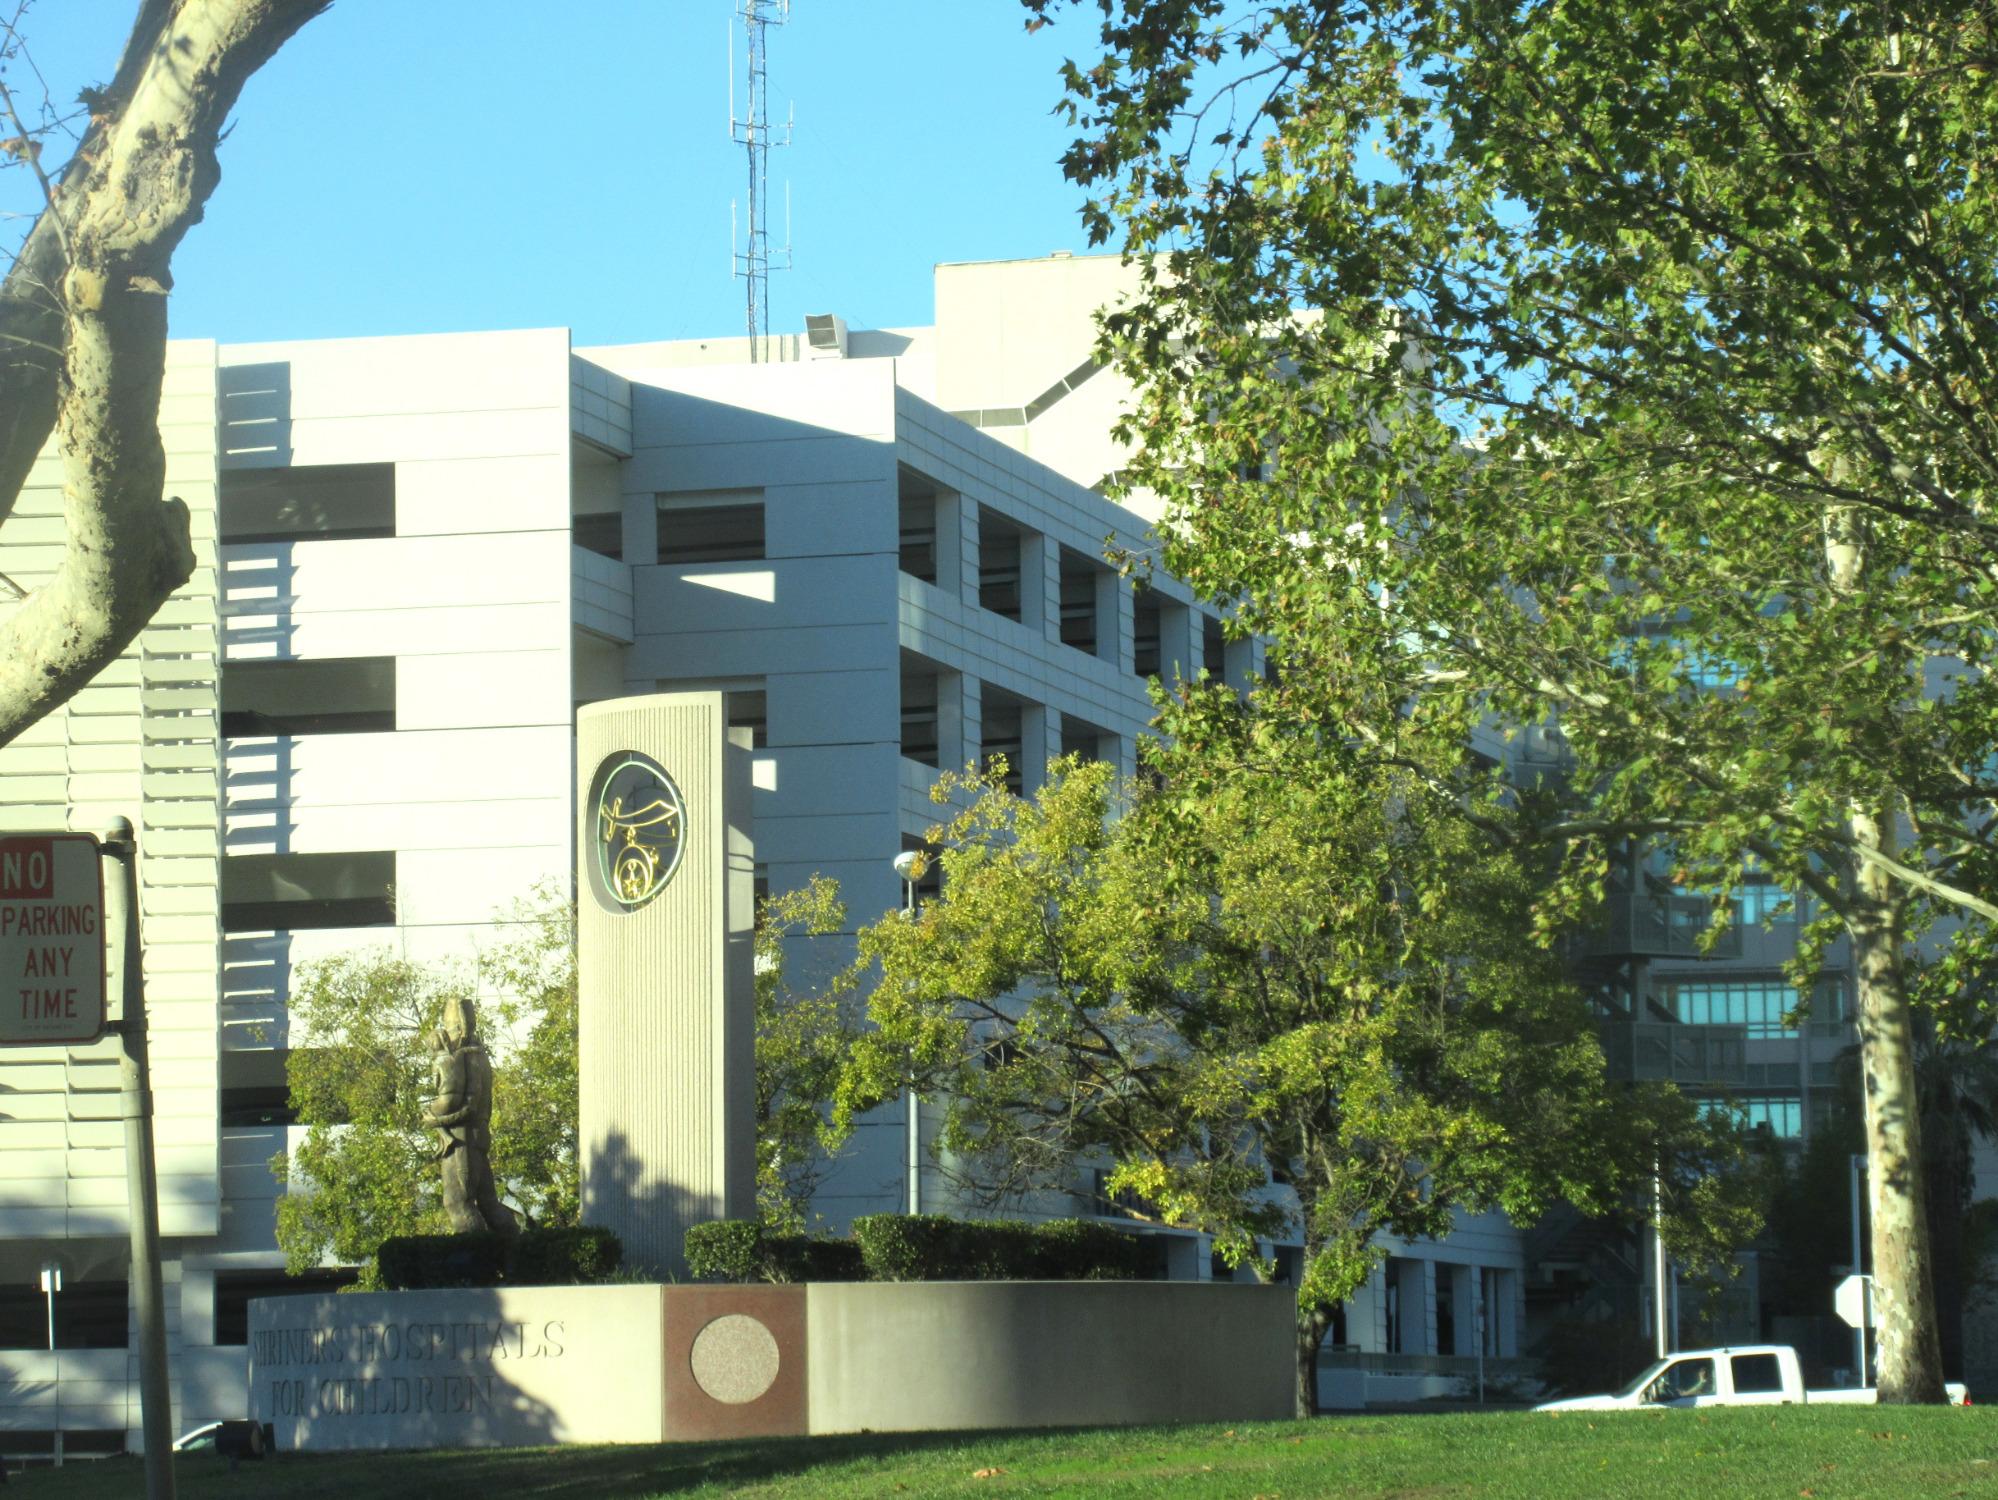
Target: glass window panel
(289, 892)
(323, 501)
(339, 695)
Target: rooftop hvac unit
(825, 336)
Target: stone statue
(462, 1114)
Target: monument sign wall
(645, 1364)
(664, 934)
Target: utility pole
(121, 933)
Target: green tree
(359, 1071)
(1618, 368)
(1264, 972)
(803, 1036)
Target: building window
(1079, 625)
(999, 552)
(337, 695)
(710, 533)
(916, 506)
(1148, 625)
(318, 501)
(601, 533)
(1079, 737)
(919, 716)
(254, 1089)
(235, 1290)
(291, 892)
(1000, 735)
(1213, 648)
(88, 1315)
(1758, 1004)
(1759, 902)
(1780, 1115)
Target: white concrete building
(353, 726)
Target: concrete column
(641, 528)
(1040, 585)
(1040, 742)
(1179, 643)
(1464, 1306)
(959, 719)
(1243, 663)
(960, 550)
(951, 543)
(1425, 1277)
(1116, 619)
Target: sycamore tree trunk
(1903, 1288)
(83, 314)
(1312, 1325)
(1896, 1189)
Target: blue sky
(437, 165)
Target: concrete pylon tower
(665, 971)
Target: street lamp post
(908, 865)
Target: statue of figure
(462, 1115)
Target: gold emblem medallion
(639, 829)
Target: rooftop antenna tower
(755, 260)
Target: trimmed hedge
(561, 1257)
(535, 1257)
(925, 1247)
(739, 1250)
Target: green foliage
(802, 1037)
(536, 1257)
(1269, 964)
(407, 1262)
(922, 1247)
(725, 1250)
(359, 1072)
(575, 1253)
(932, 1247)
(1622, 370)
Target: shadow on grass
(621, 1472)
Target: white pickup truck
(1745, 1375)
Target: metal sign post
(121, 930)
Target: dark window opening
(1000, 735)
(1148, 625)
(235, 1290)
(254, 1089)
(710, 533)
(919, 717)
(602, 533)
(291, 892)
(749, 710)
(88, 1315)
(1078, 601)
(339, 695)
(999, 555)
(1446, 1309)
(1079, 737)
(1213, 647)
(311, 502)
(916, 507)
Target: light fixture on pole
(51, 1284)
(909, 869)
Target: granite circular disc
(734, 1359)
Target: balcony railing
(1659, 926)
(1666, 1052)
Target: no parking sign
(51, 939)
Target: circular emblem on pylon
(639, 827)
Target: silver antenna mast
(756, 260)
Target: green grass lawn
(1826, 1453)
